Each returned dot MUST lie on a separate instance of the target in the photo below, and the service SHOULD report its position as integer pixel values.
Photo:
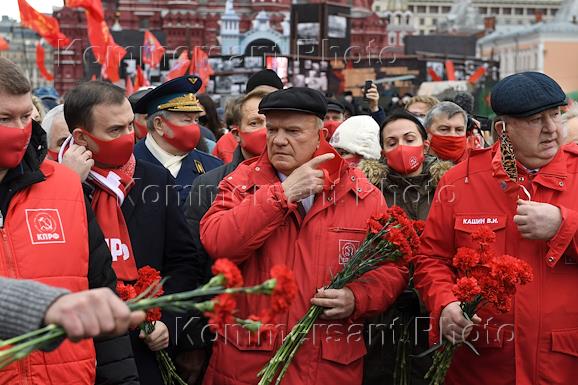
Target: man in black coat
(100, 119)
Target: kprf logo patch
(347, 249)
(44, 226)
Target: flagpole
(26, 64)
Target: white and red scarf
(111, 188)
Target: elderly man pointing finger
(298, 204)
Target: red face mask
(254, 142)
(185, 138)
(115, 152)
(331, 126)
(405, 159)
(13, 144)
(140, 130)
(52, 155)
(449, 147)
(331, 168)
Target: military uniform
(176, 95)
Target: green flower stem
(22, 346)
(27, 336)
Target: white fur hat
(358, 135)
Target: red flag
(128, 87)
(106, 51)
(153, 50)
(450, 71)
(92, 6)
(201, 67)
(140, 80)
(4, 44)
(181, 67)
(44, 25)
(478, 73)
(433, 75)
(40, 56)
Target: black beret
(525, 94)
(335, 106)
(264, 78)
(299, 99)
(134, 98)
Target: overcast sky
(10, 7)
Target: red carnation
(230, 271)
(375, 225)
(466, 289)
(153, 315)
(148, 276)
(285, 290)
(222, 313)
(465, 259)
(419, 226)
(396, 237)
(125, 292)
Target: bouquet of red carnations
(146, 295)
(484, 278)
(147, 276)
(391, 237)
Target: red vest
(45, 238)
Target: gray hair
(446, 109)
(151, 119)
(49, 118)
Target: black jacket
(161, 239)
(115, 362)
(204, 189)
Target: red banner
(140, 80)
(106, 51)
(450, 71)
(128, 87)
(478, 73)
(181, 67)
(40, 57)
(44, 25)
(201, 67)
(92, 6)
(4, 44)
(153, 51)
(433, 75)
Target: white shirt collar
(169, 161)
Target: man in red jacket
(535, 218)
(49, 234)
(298, 204)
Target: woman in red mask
(408, 177)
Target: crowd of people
(101, 185)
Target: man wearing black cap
(300, 205)
(524, 189)
(334, 117)
(173, 131)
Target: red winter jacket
(537, 342)
(252, 223)
(44, 238)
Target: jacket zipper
(11, 272)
